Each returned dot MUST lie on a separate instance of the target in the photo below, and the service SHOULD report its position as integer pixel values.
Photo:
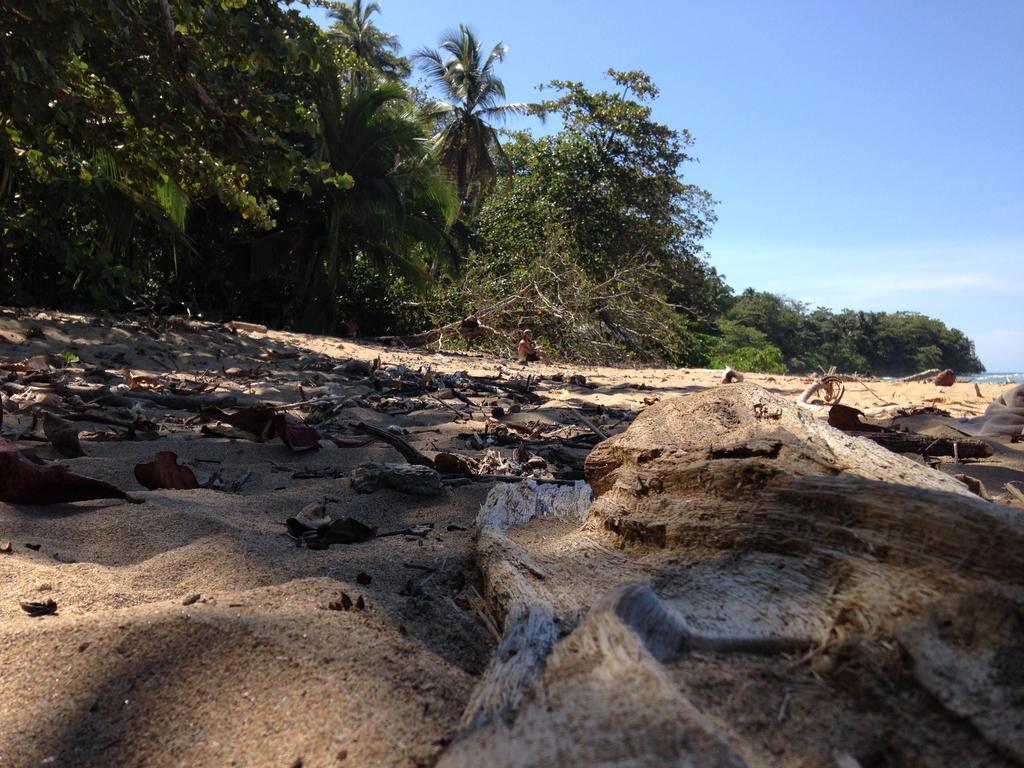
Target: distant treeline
(762, 331)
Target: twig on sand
(591, 425)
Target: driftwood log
(750, 587)
(405, 478)
(923, 445)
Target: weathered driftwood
(907, 442)
(406, 478)
(831, 387)
(760, 530)
(511, 588)
(922, 376)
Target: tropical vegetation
(234, 159)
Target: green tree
(595, 228)
(116, 116)
(467, 143)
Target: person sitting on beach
(528, 351)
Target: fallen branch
(411, 454)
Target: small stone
(191, 599)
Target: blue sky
(867, 155)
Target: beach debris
(1015, 492)
(342, 603)
(62, 436)
(315, 514)
(592, 665)
(39, 608)
(260, 423)
(730, 376)
(411, 454)
(847, 419)
(455, 464)
(164, 472)
(255, 421)
(1003, 416)
(5, 547)
(974, 485)
(946, 378)
(238, 482)
(363, 578)
(931, 373)
(24, 482)
(239, 325)
(191, 599)
(354, 368)
(300, 437)
(414, 479)
(347, 531)
(830, 386)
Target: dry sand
(257, 671)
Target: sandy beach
(191, 630)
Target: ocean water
(998, 378)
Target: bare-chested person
(529, 352)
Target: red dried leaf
(848, 420)
(296, 436)
(299, 437)
(22, 482)
(165, 472)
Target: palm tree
(374, 50)
(467, 144)
(386, 200)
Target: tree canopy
(235, 159)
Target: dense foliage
(801, 339)
(593, 237)
(234, 159)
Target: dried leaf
(257, 421)
(454, 464)
(347, 531)
(22, 482)
(847, 419)
(62, 436)
(296, 436)
(299, 437)
(148, 383)
(165, 472)
(45, 608)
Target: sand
(192, 631)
